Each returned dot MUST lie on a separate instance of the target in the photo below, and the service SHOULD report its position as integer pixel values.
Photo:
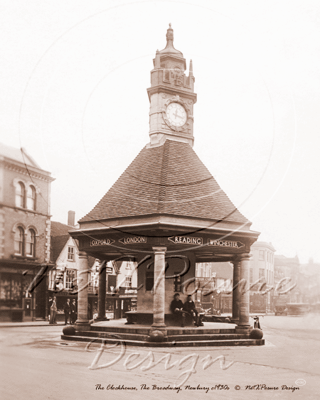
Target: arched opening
(31, 198)
(20, 195)
(31, 243)
(19, 241)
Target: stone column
(235, 291)
(102, 292)
(244, 324)
(82, 322)
(159, 288)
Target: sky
(74, 74)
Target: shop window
(71, 253)
(19, 241)
(31, 243)
(20, 195)
(261, 255)
(149, 280)
(31, 198)
(10, 291)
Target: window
(261, 273)
(31, 198)
(128, 281)
(10, 291)
(70, 253)
(19, 241)
(261, 255)
(71, 279)
(20, 194)
(31, 243)
(251, 275)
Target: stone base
(99, 319)
(161, 328)
(243, 329)
(144, 318)
(82, 326)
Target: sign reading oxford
(186, 240)
(101, 242)
(225, 243)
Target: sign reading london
(101, 242)
(225, 243)
(186, 240)
(133, 240)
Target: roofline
(78, 232)
(32, 168)
(127, 220)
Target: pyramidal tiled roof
(167, 179)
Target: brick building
(24, 235)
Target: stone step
(208, 337)
(113, 335)
(198, 331)
(141, 331)
(200, 343)
(170, 338)
(170, 331)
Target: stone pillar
(82, 322)
(159, 288)
(244, 324)
(102, 292)
(235, 291)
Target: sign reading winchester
(225, 243)
(186, 240)
(133, 240)
(101, 242)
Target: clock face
(176, 114)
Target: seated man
(176, 308)
(190, 308)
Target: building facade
(262, 271)
(65, 280)
(24, 236)
(214, 281)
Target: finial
(191, 67)
(169, 36)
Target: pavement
(36, 364)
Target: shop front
(23, 292)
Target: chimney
(71, 218)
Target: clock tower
(171, 96)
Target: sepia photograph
(159, 199)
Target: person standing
(73, 309)
(53, 311)
(67, 309)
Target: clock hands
(177, 115)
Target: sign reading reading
(225, 243)
(186, 240)
(101, 242)
(133, 240)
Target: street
(37, 364)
